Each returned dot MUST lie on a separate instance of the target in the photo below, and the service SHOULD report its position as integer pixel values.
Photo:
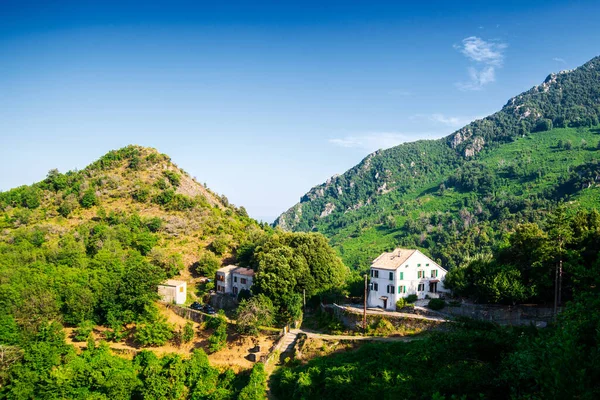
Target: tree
(208, 264)
(253, 313)
(188, 332)
(560, 234)
(155, 332)
(89, 198)
(218, 340)
(256, 389)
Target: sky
(264, 100)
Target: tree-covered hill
(458, 196)
(91, 245)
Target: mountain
(459, 195)
(93, 244)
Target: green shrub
(400, 303)
(89, 198)
(220, 245)
(218, 340)
(188, 332)
(141, 195)
(436, 304)
(382, 327)
(256, 389)
(173, 177)
(83, 331)
(164, 197)
(208, 264)
(411, 298)
(154, 333)
(154, 224)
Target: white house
(172, 291)
(402, 272)
(233, 279)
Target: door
(384, 304)
(433, 287)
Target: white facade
(233, 279)
(172, 291)
(401, 273)
(241, 280)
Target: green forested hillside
(88, 248)
(459, 196)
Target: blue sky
(263, 100)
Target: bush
(411, 298)
(141, 195)
(218, 340)
(173, 177)
(83, 331)
(89, 199)
(256, 389)
(208, 264)
(188, 332)
(220, 244)
(383, 327)
(436, 304)
(400, 303)
(154, 333)
(154, 224)
(253, 313)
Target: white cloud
(560, 60)
(486, 55)
(379, 140)
(452, 122)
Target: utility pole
(365, 309)
(304, 296)
(555, 291)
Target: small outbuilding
(172, 291)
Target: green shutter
(401, 275)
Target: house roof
(228, 268)
(393, 259)
(172, 282)
(244, 271)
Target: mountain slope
(457, 196)
(93, 244)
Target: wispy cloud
(379, 140)
(560, 60)
(449, 121)
(452, 122)
(486, 56)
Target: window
(421, 287)
(401, 289)
(420, 274)
(235, 278)
(221, 278)
(243, 281)
(427, 265)
(391, 276)
(375, 286)
(401, 275)
(434, 273)
(374, 273)
(418, 265)
(406, 266)
(390, 289)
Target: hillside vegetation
(459, 196)
(89, 248)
